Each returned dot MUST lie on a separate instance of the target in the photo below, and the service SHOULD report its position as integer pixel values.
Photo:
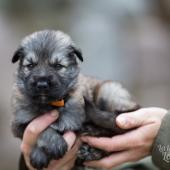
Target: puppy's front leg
(50, 145)
(21, 120)
(72, 116)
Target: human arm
(161, 146)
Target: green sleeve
(161, 147)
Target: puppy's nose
(42, 85)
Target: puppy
(48, 78)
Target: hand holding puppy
(131, 146)
(31, 135)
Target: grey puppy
(49, 71)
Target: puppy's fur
(49, 71)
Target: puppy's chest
(72, 115)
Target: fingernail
(54, 113)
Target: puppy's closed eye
(59, 66)
(30, 66)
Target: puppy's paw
(88, 153)
(55, 147)
(50, 146)
(53, 144)
(38, 158)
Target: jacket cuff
(161, 146)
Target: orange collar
(58, 103)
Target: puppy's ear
(78, 53)
(17, 55)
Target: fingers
(103, 143)
(72, 153)
(131, 120)
(70, 138)
(116, 143)
(133, 139)
(35, 128)
(116, 159)
(140, 117)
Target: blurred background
(126, 41)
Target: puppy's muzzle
(42, 84)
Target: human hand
(31, 134)
(133, 145)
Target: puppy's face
(48, 66)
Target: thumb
(130, 120)
(70, 138)
(140, 117)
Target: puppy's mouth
(43, 98)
